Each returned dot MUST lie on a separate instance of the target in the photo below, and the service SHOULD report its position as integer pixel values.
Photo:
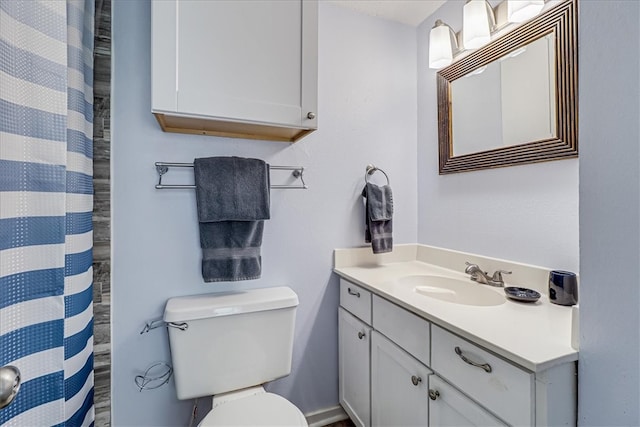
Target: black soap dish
(521, 294)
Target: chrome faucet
(477, 275)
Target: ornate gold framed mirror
(514, 101)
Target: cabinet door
(449, 407)
(252, 60)
(399, 393)
(498, 385)
(354, 363)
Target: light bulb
(477, 23)
(521, 10)
(442, 44)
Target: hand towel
(231, 189)
(232, 195)
(378, 217)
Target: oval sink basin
(453, 290)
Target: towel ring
(371, 169)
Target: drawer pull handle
(361, 335)
(434, 394)
(484, 366)
(353, 292)
(416, 380)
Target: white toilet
(231, 345)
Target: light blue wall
(525, 213)
(609, 368)
(530, 213)
(367, 114)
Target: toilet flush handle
(182, 326)
(153, 324)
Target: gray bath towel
(378, 217)
(232, 195)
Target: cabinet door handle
(361, 335)
(433, 394)
(484, 366)
(357, 294)
(311, 115)
(416, 380)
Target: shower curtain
(46, 203)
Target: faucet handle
(471, 268)
(497, 276)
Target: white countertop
(536, 336)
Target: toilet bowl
(257, 408)
(227, 345)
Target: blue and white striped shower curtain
(46, 201)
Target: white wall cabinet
(235, 68)
(471, 386)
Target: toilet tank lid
(194, 307)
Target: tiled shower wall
(102, 212)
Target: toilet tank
(232, 340)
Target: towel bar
(163, 167)
(371, 169)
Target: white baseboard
(326, 416)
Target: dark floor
(345, 423)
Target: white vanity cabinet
(517, 396)
(399, 386)
(243, 69)
(449, 407)
(400, 351)
(421, 374)
(488, 379)
(354, 361)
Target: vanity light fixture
(522, 10)
(477, 24)
(442, 45)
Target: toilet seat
(263, 409)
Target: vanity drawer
(409, 331)
(506, 390)
(356, 300)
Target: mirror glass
(513, 101)
(507, 102)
